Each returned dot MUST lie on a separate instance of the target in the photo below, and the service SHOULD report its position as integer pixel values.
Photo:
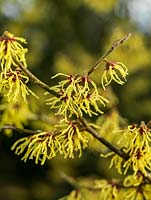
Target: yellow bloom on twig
(72, 139)
(141, 192)
(13, 85)
(11, 51)
(136, 144)
(39, 147)
(133, 180)
(115, 71)
(66, 139)
(108, 189)
(77, 94)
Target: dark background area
(68, 36)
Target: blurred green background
(68, 36)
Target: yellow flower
(13, 85)
(65, 140)
(11, 51)
(108, 189)
(116, 160)
(72, 139)
(40, 147)
(136, 137)
(76, 95)
(141, 192)
(135, 188)
(136, 144)
(140, 161)
(146, 191)
(133, 180)
(115, 71)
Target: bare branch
(28, 131)
(113, 47)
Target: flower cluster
(13, 85)
(11, 51)
(135, 188)
(12, 80)
(108, 189)
(65, 140)
(138, 147)
(76, 95)
(115, 71)
(72, 138)
(136, 144)
(39, 146)
(132, 187)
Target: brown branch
(37, 81)
(113, 47)
(28, 131)
(103, 140)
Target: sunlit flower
(146, 188)
(136, 144)
(108, 189)
(141, 192)
(72, 139)
(13, 85)
(40, 147)
(133, 180)
(11, 51)
(116, 160)
(66, 139)
(140, 161)
(136, 137)
(76, 95)
(115, 71)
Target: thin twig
(37, 81)
(22, 130)
(103, 140)
(113, 47)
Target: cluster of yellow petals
(114, 71)
(136, 188)
(11, 51)
(12, 80)
(77, 94)
(136, 144)
(138, 147)
(132, 187)
(108, 189)
(65, 140)
(13, 85)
